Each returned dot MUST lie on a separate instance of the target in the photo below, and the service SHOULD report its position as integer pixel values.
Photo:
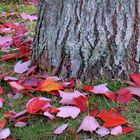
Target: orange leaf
(112, 118)
(81, 102)
(49, 85)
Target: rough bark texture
(88, 38)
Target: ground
(41, 128)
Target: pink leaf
(134, 90)
(28, 17)
(116, 130)
(16, 85)
(22, 67)
(100, 89)
(102, 131)
(4, 133)
(67, 97)
(1, 102)
(60, 129)
(68, 111)
(20, 124)
(6, 41)
(89, 124)
(49, 115)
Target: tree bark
(88, 39)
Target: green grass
(40, 127)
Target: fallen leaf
(1, 90)
(35, 104)
(2, 123)
(116, 130)
(6, 41)
(1, 102)
(102, 131)
(112, 118)
(127, 129)
(100, 89)
(89, 123)
(136, 78)
(16, 85)
(123, 96)
(22, 67)
(20, 124)
(49, 85)
(46, 113)
(134, 90)
(60, 129)
(81, 102)
(94, 112)
(4, 133)
(68, 111)
(67, 97)
(28, 17)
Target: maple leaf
(136, 78)
(68, 111)
(112, 118)
(49, 85)
(4, 133)
(81, 102)
(35, 104)
(20, 124)
(89, 123)
(60, 129)
(102, 131)
(6, 41)
(28, 17)
(16, 85)
(101, 89)
(116, 130)
(1, 102)
(46, 113)
(67, 97)
(124, 96)
(22, 67)
(134, 90)
(127, 129)
(1, 90)
(94, 111)
(2, 123)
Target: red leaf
(111, 95)
(112, 118)
(124, 96)
(127, 129)
(22, 119)
(94, 111)
(1, 90)
(2, 123)
(81, 102)
(35, 104)
(88, 88)
(135, 77)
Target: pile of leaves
(72, 95)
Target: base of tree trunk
(87, 39)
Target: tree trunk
(88, 39)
